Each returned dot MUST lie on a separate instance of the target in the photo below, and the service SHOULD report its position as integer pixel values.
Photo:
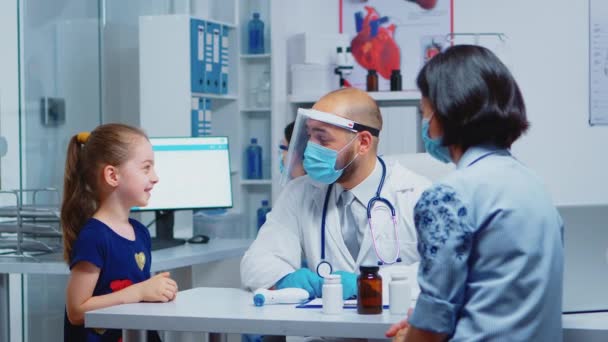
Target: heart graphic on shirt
(99, 331)
(140, 258)
(117, 285)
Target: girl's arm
(83, 278)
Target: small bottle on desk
(369, 291)
(332, 294)
(399, 294)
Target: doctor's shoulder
(297, 189)
(404, 178)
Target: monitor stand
(164, 220)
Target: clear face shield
(320, 133)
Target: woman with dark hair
(489, 239)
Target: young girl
(108, 172)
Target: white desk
(223, 310)
(180, 257)
(219, 310)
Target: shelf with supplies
(255, 56)
(226, 97)
(255, 107)
(256, 110)
(411, 96)
(256, 181)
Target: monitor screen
(193, 173)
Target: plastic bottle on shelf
(256, 34)
(261, 213)
(263, 90)
(254, 160)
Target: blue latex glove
(349, 284)
(303, 278)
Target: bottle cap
(254, 140)
(395, 71)
(371, 71)
(256, 15)
(369, 269)
(332, 279)
(399, 276)
(339, 49)
(348, 49)
(259, 299)
(264, 202)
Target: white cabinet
(175, 74)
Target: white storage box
(313, 80)
(309, 48)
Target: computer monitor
(194, 173)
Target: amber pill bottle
(369, 291)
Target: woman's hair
(474, 97)
(86, 156)
(288, 131)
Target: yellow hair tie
(82, 137)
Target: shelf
(380, 96)
(256, 56)
(227, 97)
(256, 181)
(255, 110)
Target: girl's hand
(159, 288)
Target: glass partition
(61, 94)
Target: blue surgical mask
(319, 162)
(433, 146)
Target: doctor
(322, 218)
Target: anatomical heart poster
(389, 35)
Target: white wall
(548, 55)
(548, 46)
(289, 17)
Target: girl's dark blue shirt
(122, 263)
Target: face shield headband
(300, 136)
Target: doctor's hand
(303, 278)
(349, 284)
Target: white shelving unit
(248, 182)
(166, 91)
(255, 109)
(382, 97)
(256, 56)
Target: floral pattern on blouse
(440, 219)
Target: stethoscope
(324, 268)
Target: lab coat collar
(474, 153)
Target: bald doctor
(322, 217)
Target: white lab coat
(293, 230)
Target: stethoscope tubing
(370, 204)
